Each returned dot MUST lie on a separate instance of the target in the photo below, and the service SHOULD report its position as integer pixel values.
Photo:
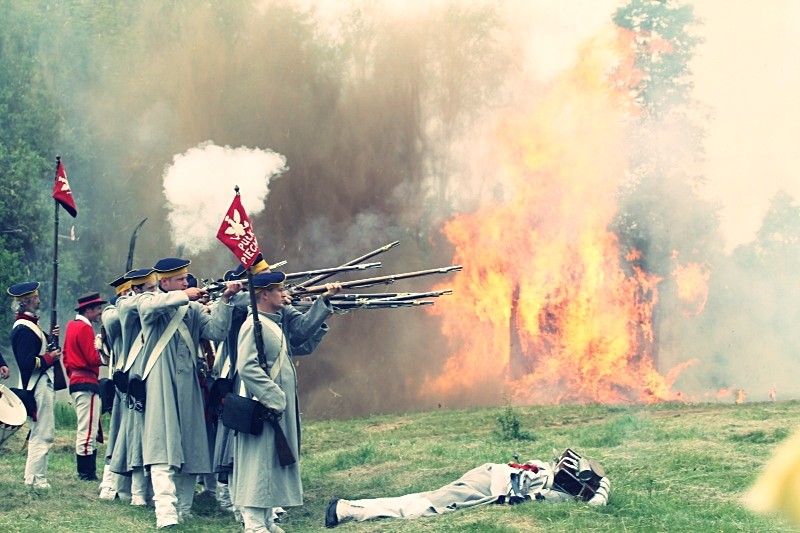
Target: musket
(132, 245)
(369, 304)
(332, 270)
(394, 296)
(214, 288)
(285, 455)
(369, 282)
(379, 296)
(355, 261)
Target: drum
(12, 413)
(577, 475)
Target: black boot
(87, 467)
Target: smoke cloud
(382, 121)
(194, 214)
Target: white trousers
(224, 497)
(113, 485)
(87, 407)
(43, 432)
(173, 494)
(140, 486)
(107, 482)
(257, 519)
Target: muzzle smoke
(193, 214)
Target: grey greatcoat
(258, 478)
(127, 453)
(174, 419)
(111, 323)
(304, 331)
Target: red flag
(61, 191)
(236, 233)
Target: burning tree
(558, 296)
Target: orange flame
(740, 396)
(692, 281)
(545, 303)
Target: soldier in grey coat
(114, 484)
(175, 444)
(126, 457)
(259, 482)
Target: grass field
(673, 467)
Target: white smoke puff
(199, 188)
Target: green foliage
(777, 244)
(664, 48)
(29, 125)
(510, 426)
(660, 211)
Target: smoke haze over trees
(382, 115)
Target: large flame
(546, 305)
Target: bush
(510, 426)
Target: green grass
(673, 467)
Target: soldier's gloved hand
(98, 342)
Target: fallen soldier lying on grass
(569, 477)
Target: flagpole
(54, 304)
(262, 358)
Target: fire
(741, 395)
(545, 304)
(692, 281)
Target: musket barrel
(357, 260)
(332, 270)
(371, 304)
(369, 282)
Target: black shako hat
(268, 279)
(139, 276)
(90, 299)
(21, 290)
(119, 281)
(171, 266)
(259, 265)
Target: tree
(28, 130)
(660, 210)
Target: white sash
(174, 324)
(276, 366)
(135, 349)
(42, 351)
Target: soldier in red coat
(82, 361)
